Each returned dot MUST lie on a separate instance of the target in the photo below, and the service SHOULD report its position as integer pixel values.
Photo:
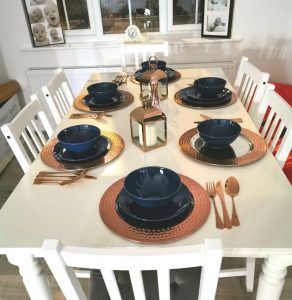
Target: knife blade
(220, 192)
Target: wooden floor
(12, 287)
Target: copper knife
(220, 192)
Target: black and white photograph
(217, 18)
(217, 5)
(43, 22)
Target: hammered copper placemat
(116, 146)
(128, 99)
(174, 79)
(258, 148)
(178, 100)
(198, 216)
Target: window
(73, 14)
(117, 15)
(105, 18)
(185, 14)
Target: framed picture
(217, 18)
(44, 22)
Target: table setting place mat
(116, 146)
(248, 148)
(127, 99)
(170, 80)
(195, 219)
(180, 101)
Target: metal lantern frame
(161, 77)
(144, 117)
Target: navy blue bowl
(152, 186)
(79, 138)
(219, 132)
(210, 86)
(161, 64)
(102, 92)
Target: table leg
(34, 278)
(272, 277)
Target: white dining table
(70, 213)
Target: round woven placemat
(258, 148)
(178, 100)
(117, 145)
(128, 99)
(193, 222)
(174, 79)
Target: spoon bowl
(232, 189)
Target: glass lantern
(148, 126)
(161, 76)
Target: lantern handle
(149, 60)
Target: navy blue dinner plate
(159, 217)
(169, 72)
(190, 96)
(115, 100)
(65, 156)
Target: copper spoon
(232, 189)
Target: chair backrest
(142, 52)
(61, 260)
(274, 121)
(58, 95)
(249, 85)
(24, 135)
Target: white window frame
(96, 32)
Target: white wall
(264, 25)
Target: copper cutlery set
(231, 189)
(61, 177)
(95, 116)
(237, 120)
(120, 79)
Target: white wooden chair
(272, 124)
(58, 95)
(249, 85)
(24, 135)
(61, 259)
(142, 51)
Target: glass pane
(145, 14)
(187, 12)
(77, 14)
(115, 15)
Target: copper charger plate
(178, 100)
(198, 216)
(128, 99)
(174, 79)
(258, 149)
(117, 145)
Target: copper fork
(210, 187)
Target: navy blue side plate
(156, 218)
(65, 156)
(190, 96)
(169, 72)
(90, 102)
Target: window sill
(113, 44)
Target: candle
(150, 134)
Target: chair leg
(250, 268)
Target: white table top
(71, 213)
